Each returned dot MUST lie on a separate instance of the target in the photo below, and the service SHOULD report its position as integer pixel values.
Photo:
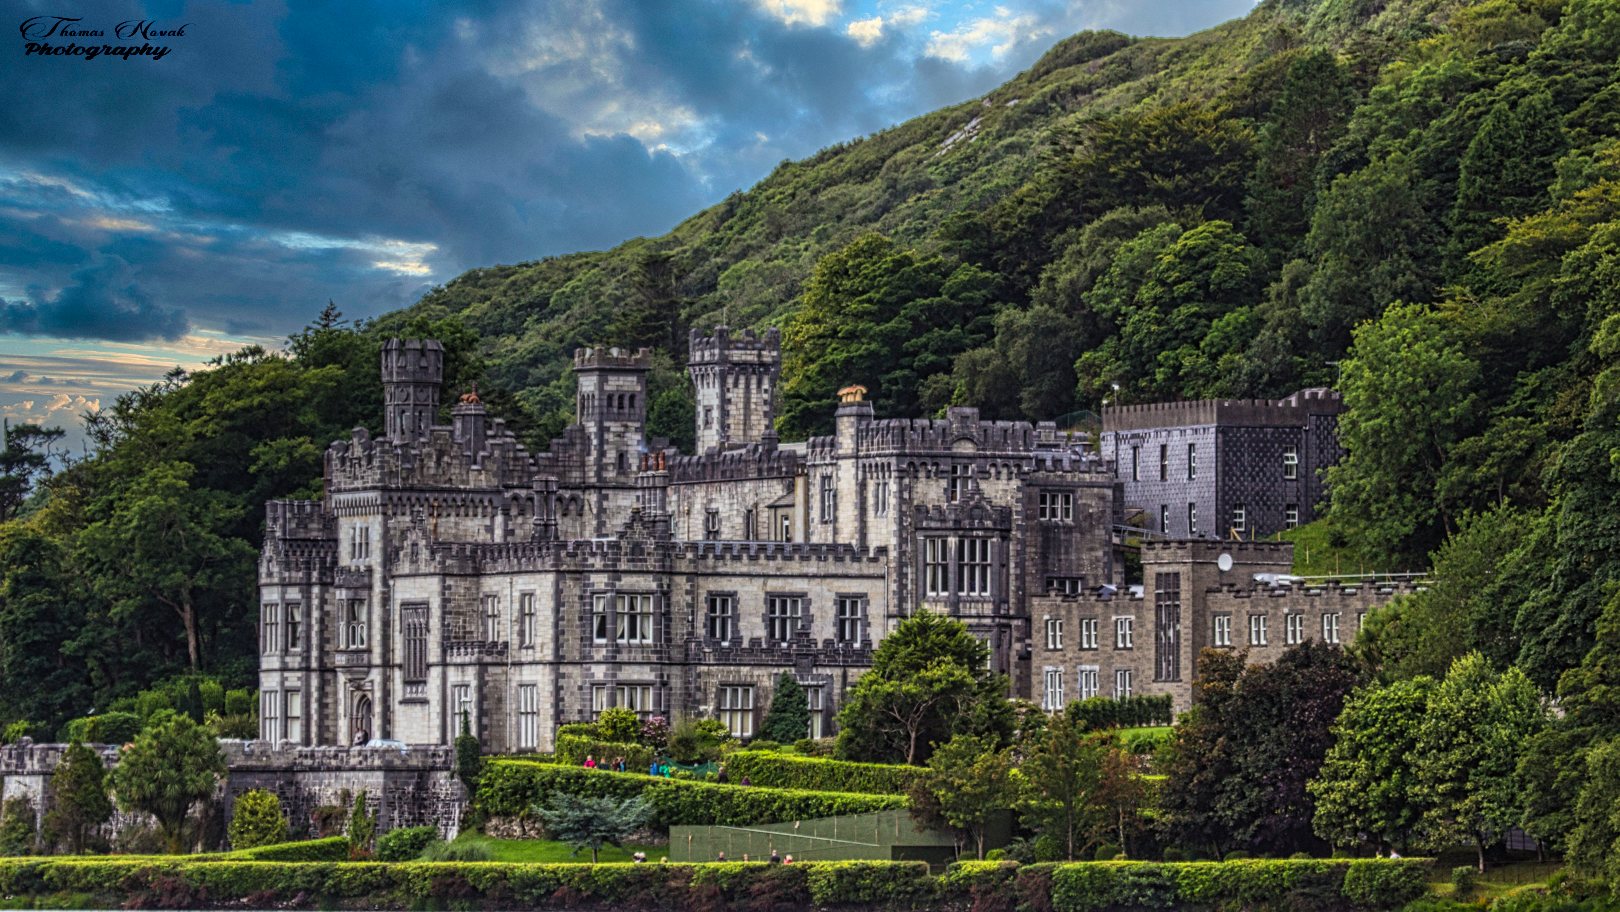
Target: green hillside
(1008, 183)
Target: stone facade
(1224, 468)
(1146, 640)
(450, 573)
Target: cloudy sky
(156, 212)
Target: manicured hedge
(573, 749)
(510, 788)
(1374, 884)
(331, 848)
(1131, 712)
(775, 770)
(181, 882)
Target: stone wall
(404, 787)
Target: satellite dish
(1224, 562)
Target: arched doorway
(360, 721)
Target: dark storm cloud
(287, 153)
(102, 302)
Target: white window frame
(783, 615)
(354, 623)
(736, 709)
(1290, 463)
(270, 715)
(829, 497)
(461, 703)
(598, 617)
(634, 621)
(526, 619)
(1330, 627)
(1089, 632)
(1240, 519)
(491, 626)
(711, 524)
(936, 567)
(271, 620)
(974, 565)
(1088, 682)
(1054, 633)
(1294, 628)
(1223, 630)
(1056, 506)
(815, 696)
(1291, 516)
(720, 619)
(1192, 518)
(1124, 631)
(1052, 695)
(293, 717)
(1164, 462)
(1192, 462)
(1122, 683)
(1257, 630)
(292, 618)
(1164, 518)
(848, 618)
(528, 716)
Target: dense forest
(1417, 201)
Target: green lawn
(1144, 740)
(1498, 880)
(546, 851)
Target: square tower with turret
(412, 370)
(734, 380)
(611, 403)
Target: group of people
(776, 858)
(660, 768)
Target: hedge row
(187, 883)
(510, 788)
(573, 749)
(1131, 712)
(820, 774)
(1366, 884)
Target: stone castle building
(1224, 468)
(448, 572)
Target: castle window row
(1090, 630)
(785, 616)
(1293, 628)
(1087, 685)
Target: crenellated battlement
(1291, 411)
(724, 347)
(437, 459)
(760, 460)
(612, 358)
(296, 519)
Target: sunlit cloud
(802, 12)
(1000, 33)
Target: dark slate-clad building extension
(1224, 468)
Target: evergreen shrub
(405, 843)
(821, 774)
(512, 788)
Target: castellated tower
(735, 384)
(412, 370)
(611, 403)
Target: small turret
(469, 423)
(412, 370)
(611, 402)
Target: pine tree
(79, 801)
(788, 719)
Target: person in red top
(590, 762)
